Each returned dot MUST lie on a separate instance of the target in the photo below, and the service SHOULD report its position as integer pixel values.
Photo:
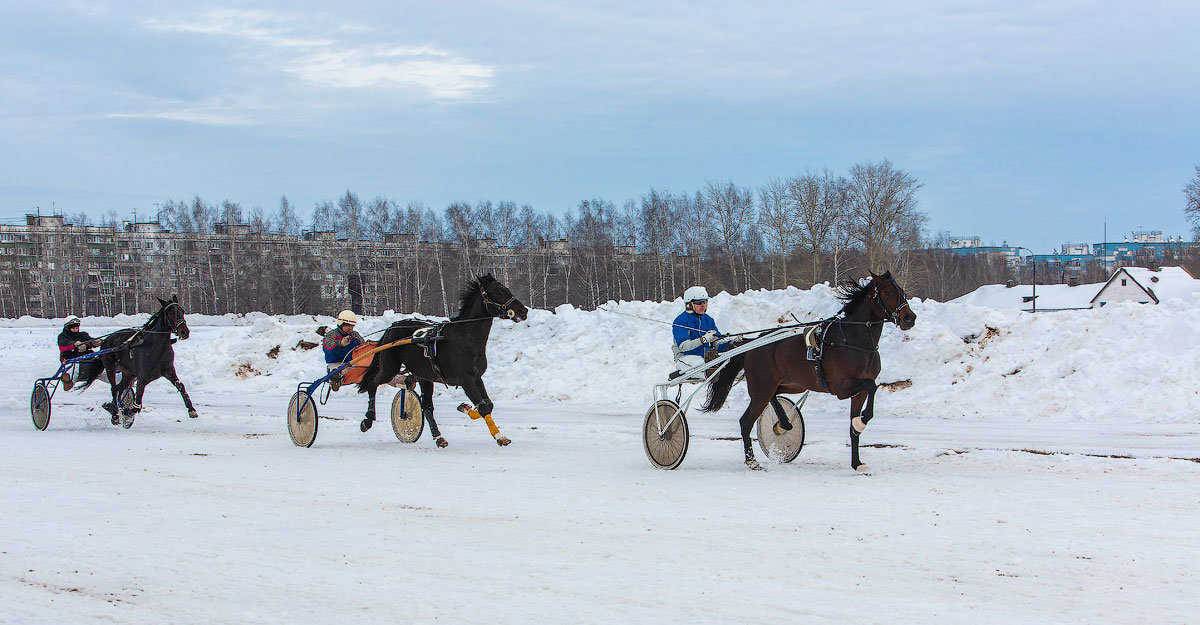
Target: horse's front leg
(427, 412)
(859, 419)
(483, 408)
(173, 378)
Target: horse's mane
(470, 292)
(852, 292)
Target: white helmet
(71, 321)
(347, 316)
(695, 293)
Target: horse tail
(87, 371)
(368, 379)
(718, 389)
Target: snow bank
(1122, 363)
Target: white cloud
(276, 43)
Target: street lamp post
(1034, 261)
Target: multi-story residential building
(50, 268)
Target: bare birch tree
(1191, 192)
(883, 200)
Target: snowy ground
(222, 520)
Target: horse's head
(892, 303)
(172, 316)
(499, 301)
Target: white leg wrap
(858, 424)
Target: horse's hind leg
(110, 373)
(173, 378)
(483, 408)
(369, 418)
(427, 412)
(756, 407)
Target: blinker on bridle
(505, 310)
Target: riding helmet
(695, 293)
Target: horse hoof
(858, 425)
(779, 428)
(366, 424)
(503, 441)
(111, 409)
(193, 414)
(862, 468)
(441, 442)
(753, 465)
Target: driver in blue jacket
(695, 332)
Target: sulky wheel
(407, 419)
(786, 446)
(302, 419)
(665, 434)
(39, 405)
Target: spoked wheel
(665, 434)
(407, 419)
(302, 419)
(39, 405)
(781, 447)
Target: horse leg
(483, 408)
(369, 419)
(110, 372)
(782, 423)
(427, 412)
(173, 378)
(140, 389)
(858, 423)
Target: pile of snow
(1049, 296)
(1124, 362)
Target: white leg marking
(862, 468)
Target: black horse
(458, 357)
(847, 366)
(149, 356)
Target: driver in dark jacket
(73, 343)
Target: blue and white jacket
(689, 327)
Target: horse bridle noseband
(893, 315)
(504, 309)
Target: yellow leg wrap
(491, 425)
(474, 414)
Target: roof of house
(1163, 283)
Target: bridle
(502, 310)
(892, 315)
(174, 329)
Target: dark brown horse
(847, 365)
(457, 358)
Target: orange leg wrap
(474, 414)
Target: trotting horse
(149, 358)
(846, 367)
(458, 357)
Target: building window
(1122, 281)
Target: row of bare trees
(815, 226)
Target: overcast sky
(1027, 123)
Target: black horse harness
(817, 338)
